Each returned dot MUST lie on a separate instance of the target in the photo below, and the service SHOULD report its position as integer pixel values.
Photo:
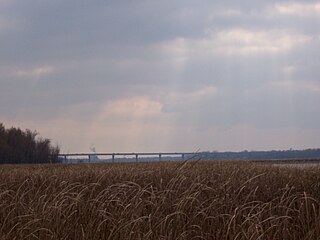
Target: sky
(163, 75)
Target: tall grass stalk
(167, 200)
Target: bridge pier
(111, 156)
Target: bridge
(136, 155)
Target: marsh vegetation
(167, 200)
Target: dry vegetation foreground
(192, 200)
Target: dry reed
(191, 200)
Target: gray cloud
(203, 66)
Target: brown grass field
(167, 200)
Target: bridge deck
(135, 154)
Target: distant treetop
(17, 146)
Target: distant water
(296, 165)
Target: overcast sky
(162, 75)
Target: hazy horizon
(161, 76)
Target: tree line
(17, 146)
(263, 155)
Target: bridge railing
(91, 156)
